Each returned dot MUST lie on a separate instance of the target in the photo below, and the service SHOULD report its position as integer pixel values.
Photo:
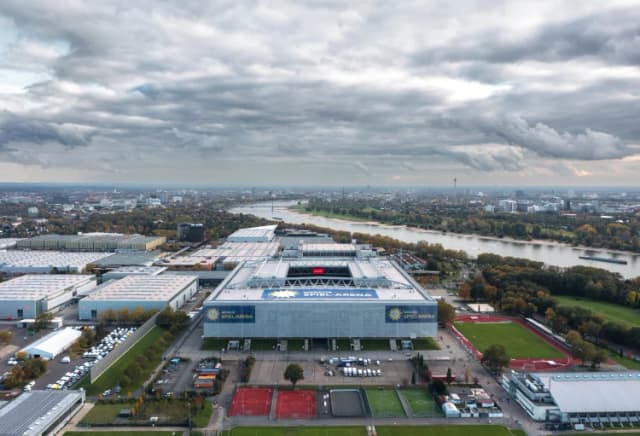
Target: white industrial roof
(15, 259)
(142, 270)
(143, 288)
(591, 392)
(329, 248)
(265, 233)
(38, 286)
(7, 243)
(32, 413)
(371, 279)
(53, 343)
(232, 252)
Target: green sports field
(609, 311)
(518, 340)
(421, 403)
(403, 430)
(384, 403)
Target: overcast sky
(321, 92)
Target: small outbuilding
(53, 344)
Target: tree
(446, 313)
(294, 373)
(6, 336)
(496, 357)
(43, 319)
(598, 357)
(465, 291)
(449, 376)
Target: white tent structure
(53, 344)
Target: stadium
(320, 291)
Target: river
(550, 253)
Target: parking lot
(268, 372)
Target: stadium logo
(395, 314)
(283, 294)
(213, 314)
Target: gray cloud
(239, 85)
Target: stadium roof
(358, 279)
(593, 392)
(143, 288)
(257, 234)
(38, 286)
(33, 413)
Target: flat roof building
(227, 253)
(52, 345)
(593, 399)
(147, 292)
(8, 243)
(320, 297)
(254, 234)
(125, 271)
(92, 242)
(131, 258)
(29, 295)
(45, 262)
(39, 413)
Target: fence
(102, 365)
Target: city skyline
(244, 93)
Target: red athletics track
(251, 402)
(296, 404)
(523, 364)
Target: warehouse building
(128, 258)
(254, 234)
(339, 293)
(190, 232)
(120, 273)
(92, 242)
(52, 345)
(40, 413)
(593, 399)
(28, 296)
(14, 262)
(6, 243)
(146, 292)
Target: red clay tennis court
(296, 405)
(251, 402)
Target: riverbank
(299, 209)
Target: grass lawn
(384, 403)
(421, 403)
(519, 341)
(215, 344)
(395, 430)
(296, 431)
(425, 344)
(110, 378)
(444, 430)
(624, 361)
(375, 344)
(175, 411)
(119, 433)
(104, 413)
(609, 311)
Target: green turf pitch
(384, 403)
(421, 403)
(609, 311)
(296, 431)
(520, 342)
(403, 430)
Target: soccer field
(421, 403)
(405, 430)
(520, 342)
(384, 403)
